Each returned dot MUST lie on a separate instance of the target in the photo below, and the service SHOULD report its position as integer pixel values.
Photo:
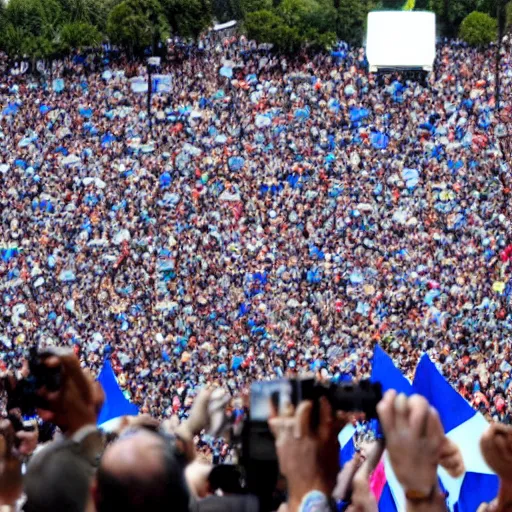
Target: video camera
(258, 454)
(22, 394)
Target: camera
(258, 454)
(22, 394)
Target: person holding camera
(415, 442)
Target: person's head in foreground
(141, 472)
(59, 479)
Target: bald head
(141, 472)
(138, 457)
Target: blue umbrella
(379, 140)
(358, 114)
(302, 113)
(10, 110)
(236, 362)
(85, 112)
(165, 180)
(236, 163)
(107, 139)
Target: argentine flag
(461, 423)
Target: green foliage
(352, 20)
(188, 18)
(451, 13)
(294, 24)
(79, 35)
(478, 29)
(267, 27)
(54, 15)
(509, 15)
(226, 10)
(249, 6)
(78, 10)
(409, 5)
(260, 25)
(26, 16)
(392, 5)
(13, 39)
(137, 24)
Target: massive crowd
(286, 218)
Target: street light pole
(500, 15)
(150, 90)
(154, 43)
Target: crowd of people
(279, 215)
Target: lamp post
(152, 62)
(500, 15)
(150, 90)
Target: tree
(478, 29)
(307, 14)
(79, 35)
(226, 10)
(188, 18)
(13, 39)
(260, 25)
(268, 27)
(294, 23)
(137, 24)
(452, 12)
(392, 5)
(77, 10)
(27, 16)
(351, 23)
(249, 6)
(54, 15)
(98, 13)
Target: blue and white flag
(464, 426)
(161, 83)
(392, 497)
(139, 84)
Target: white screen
(404, 39)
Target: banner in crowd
(160, 84)
(462, 424)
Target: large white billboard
(401, 39)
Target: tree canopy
(478, 29)
(37, 28)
